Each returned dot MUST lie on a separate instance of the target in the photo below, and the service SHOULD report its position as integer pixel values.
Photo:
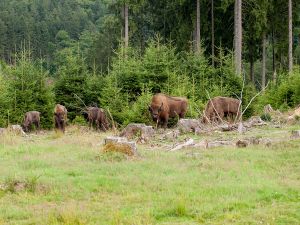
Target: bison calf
(163, 107)
(97, 116)
(60, 117)
(31, 118)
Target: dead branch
(112, 121)
(253, 99)
(75, 95)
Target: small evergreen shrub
(266, 117)
(79, 120)
(27, 90)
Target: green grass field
(53, 179)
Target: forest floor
(49, 178)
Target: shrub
(79, 120)
(4, 102)
(28, 90)
(266, 117)
(285, 94)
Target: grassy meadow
(65, 179)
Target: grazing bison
(219, 107)
(97, 116)
(163, 107)
(60, 117)
(31, 118)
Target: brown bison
(97, 116)
(60, 117)
(219, 107)
(31, 118)
(163, 107)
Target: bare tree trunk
(198, 27)
(252, 69)
(126, 25)
(273, 56)
(238, 36)
(290, 37)
(212, 34)
(263, 72)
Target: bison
(97, 116)
(163, 107)
(31, 118)
(60, 117)
(219, 107)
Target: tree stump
(241, 144)
(139, 130)
(189, 125)
(2, 131)
(120, 144)
(295, 134)
(268, 109)
(171, 135)
(17, 129)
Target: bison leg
(98, 125)
(37, 125)
(63, 126)
(103, 126)
(164, 122)
(181, 115)
(221, 116)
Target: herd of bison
(161, 108)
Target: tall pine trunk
(238, 36)
(290, 37)
(273, 56)
(263, 72)
(251, 61)
(212, 34)
(126, 38)
(198, 27)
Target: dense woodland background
(73, 52)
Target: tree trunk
(273, 56)
(198, 27)
(126, 25)
(212, 34)
(263, 72)
(238, 36)
(290, 37)
(251, 61)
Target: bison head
(25, 127)
(155, 111)
(59, 117)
